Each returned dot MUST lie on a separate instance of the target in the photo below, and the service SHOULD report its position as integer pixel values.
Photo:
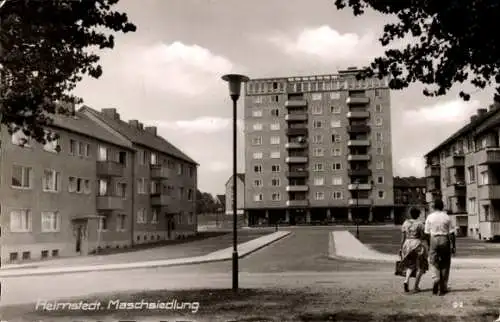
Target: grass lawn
(266, 305)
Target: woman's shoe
(416, 289)
(406, 288)
(435, 288)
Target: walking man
(441, 234)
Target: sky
(168, 73)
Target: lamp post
(234, 81)
(357, 208)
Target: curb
(138, 265)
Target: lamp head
(235, 81)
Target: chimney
(141, 126)
(481, 111)
(134, 123)
(111, 113)
(473, 118)
(151, 129)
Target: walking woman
(413, 249)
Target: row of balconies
(116, 169)
(303, 145)
(488, 156)
(351, 172)
(352, 186)
(350, 101)
(350, 157)
(304, 117)
(351, 202)
(110, 202)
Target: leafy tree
(47, 47)
(453, 41)
(205, 203)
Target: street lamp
(235, 81)
(357, 208)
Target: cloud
(327, 43)
(189, 70)
(455, 111)
(204, 124)
(410, 166)
(218, 166)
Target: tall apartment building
(318, 148)
(464, 171)
(94, 187)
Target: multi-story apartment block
(83, 191)
(409, 192)
(464, 171)
(318, 148)
(240, 194)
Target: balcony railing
(160, 200)
(359, 172)
(488, 156)
(352, 100)
(297, 203)
(455, 161)
(358, 114)
(358, 157)
(296, 159)
(109, 203)
(296, 103)
(489, 192)
(295, 145)
(360, 202)
(296, 117)
(110, 169)
(297, 188)
(297, 174)
(296, 131)
(359, 186)
(432, 171)
(159, 171)
(358, 129)
(358, 143)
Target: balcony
(358, 129)
(358, 143)
(358, 115)
(159, 172)
(455, 161)
(433, 184)
(432, 171)
(488, 156)
(357, 100)
(489, 192)
(296, 131)
(296, 103)
(160, 200)
(359, 172)
(360, 202)
(295, 145)
(457, 208)
(296, 159)
(296, 117)
(297, 188)
(297, 203)
(297, 174)
(109, 203)
(457, 191)
(358, 157)
(110, 169)
(360, 186)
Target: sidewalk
(343, 245)
(221, 255)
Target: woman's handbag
(400, 271)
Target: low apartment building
(409, 192)
(464, 171)
(240, 194)
(84, 191)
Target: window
(380, 179)
(86, 186)
(102, 224)
(191, 218)
(483, 178)
(275, 112)
(83, 149)
(141, 186)
(275, 98)
(336, 109)
(122, 157)
(275, 140)
(154, 216)
(120, 222)
(317, 124)
(257, 140)
(335, 124)
(154, 159)
(21, 177)
(337, 181)
(316, 96)
(275, 168)
(190, 195)
(102, 154)
(257, 183)
(378, 121)
(258, 197)
(258, 155)
(336, 152)
(52, 143)
(257, 113)
(318, 167)
(379, 165)
(257, 168)
(379, 150)
(337, 166)
(318, 152)
(317, 139)
(20, 221)
(319, 181)
(275, 155)
(257, 127)
(471, 206)
(378, 136)
(103, 187)
(275, 196)
(319, 195)
(335, 96)
(275, 182)
(381, 194)
(121, 189)
(50, 221)
(378, 108)
(336, 138)
(337, 195)
(72, 147)
(317, 110)
(377, 91)
(180, 168)
(141, 216)
(471, 174)
(275, 126)
(20, 139)
(50, 181)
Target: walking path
(220, 255)
(344, 245)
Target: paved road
(388, 241)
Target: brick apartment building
(104, 183)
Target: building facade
(318, 148)
(81, 193)
(240, 194)
(464, 171)
(409, 192)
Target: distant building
(240, 197)
(408, 192)
(220, 201)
